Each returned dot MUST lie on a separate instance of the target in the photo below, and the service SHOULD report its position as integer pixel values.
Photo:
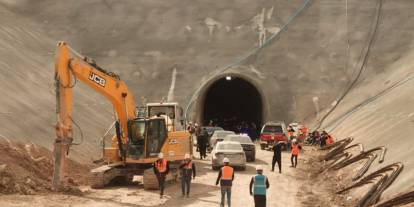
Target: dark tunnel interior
(231, 103)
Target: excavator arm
(69, 68)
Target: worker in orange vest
(188, 170)
(329, 140)
(226, 177)
(161, 169)
(295, 152)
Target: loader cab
(146, 137)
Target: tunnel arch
(240, 97)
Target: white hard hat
(187, 156)
(196, 124)
(226, 160)
(259, 167)
(160, 155)
(294, 140)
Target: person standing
(295, 152)
(161, 170)
(202, 145)
(258, 187)
(225, 177)
(277, 157)
(197, 132)
(188, 170)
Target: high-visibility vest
(188, 166)
(226, 173)
(295, 149)
(161, 166)
(259, 185)
(329, 140)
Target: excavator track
(102, 176)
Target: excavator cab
(146, 137)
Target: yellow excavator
(137, 140)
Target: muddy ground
(299, 186)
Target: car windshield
(222, 134)
(273, 129)
(226, 146)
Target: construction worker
(226, 177)
(188, 170)
(277, 156)
(258, 187)
(295, 152)
(329, 139)
(291, 132)
(161, 170)
(202, 143)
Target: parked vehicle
(232, 150)
(218, 136)
(246, 142)
(271, 132)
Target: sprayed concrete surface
(169, 49)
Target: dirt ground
(26, 168)
(294, 187)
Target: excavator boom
(70, 67)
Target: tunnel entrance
(232, 103)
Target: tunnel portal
(230, 101)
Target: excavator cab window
(156, 135)
(136, 136)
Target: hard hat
(196, 124)
(160, 155)
(226, 160)
(294, 140)
(187, 156)
(259, 167)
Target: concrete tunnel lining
(199, 113)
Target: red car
(271, 132)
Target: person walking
(161, 170)
(277, 156)
(188, 170)
(225, 177)
(295, 152)
(258, 187)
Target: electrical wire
(362, 67)
(335, 123)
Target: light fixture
(228, 78)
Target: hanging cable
(362, 67)
(81, 133)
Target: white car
(218, 136)
(232, 150)
(248, 146)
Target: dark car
(271, 132)
(248, 146)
